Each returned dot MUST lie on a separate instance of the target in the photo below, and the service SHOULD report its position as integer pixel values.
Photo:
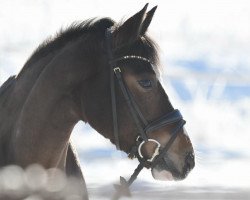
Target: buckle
(156, 152)
(117, 69)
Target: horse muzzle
(168, 170)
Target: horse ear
(130, 30)
(147, 20)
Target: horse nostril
(190, 160)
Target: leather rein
(142, 125)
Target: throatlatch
(143, 127)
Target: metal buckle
(156, 152)
(117, 69)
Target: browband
(129, 57)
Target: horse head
(136, 100)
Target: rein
(143, 127)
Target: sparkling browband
(130, 57)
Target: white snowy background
(205, 51)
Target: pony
(107, 75)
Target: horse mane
(78, 30)
(65, 36)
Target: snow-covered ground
(205, 46)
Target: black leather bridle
(141, 123)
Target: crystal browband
(130, 57)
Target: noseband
(143, 126)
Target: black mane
(63, 37)
(144, 46)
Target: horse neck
(49, 113)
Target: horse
(103, 73)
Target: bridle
(141, 123)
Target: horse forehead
(141, 68)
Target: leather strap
(165, 120)
(168, 145)
(139, 113)
(112, 90)
(130, 104)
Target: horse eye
(145, 83)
